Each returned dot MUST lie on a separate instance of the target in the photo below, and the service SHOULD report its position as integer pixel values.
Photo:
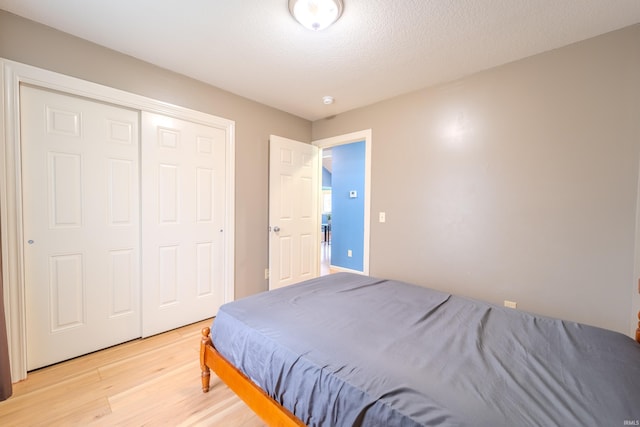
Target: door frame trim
(12, 75)
(366, 136)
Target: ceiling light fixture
(316, 14)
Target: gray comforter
(350, 350)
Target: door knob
(276, 228)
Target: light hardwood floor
(153, 381)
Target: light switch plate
(510, 304)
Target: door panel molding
(12, 75)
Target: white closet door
(183, 187)
(81, 225)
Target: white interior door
(293, 212)
(183, 219)
(81, 225)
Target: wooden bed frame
(260, 402)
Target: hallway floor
(325, 259)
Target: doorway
(326, 209)
(345, 203)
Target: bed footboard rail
(260, 402)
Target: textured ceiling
(378, 49)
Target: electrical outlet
(349, 253)
(382, 217)
(266, 273)
(510, 304)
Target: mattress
(352, 350)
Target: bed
(353, 350)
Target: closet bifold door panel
(124, 223)
(183, 218)
(81, 201)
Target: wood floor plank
(152, 381)
(120, 376)
(26, 409)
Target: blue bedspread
(350, 350)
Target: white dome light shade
(316, 14)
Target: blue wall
(347, 216)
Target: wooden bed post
(206, 373)
(257, 399)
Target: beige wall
(31, 43)
(532, 199)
